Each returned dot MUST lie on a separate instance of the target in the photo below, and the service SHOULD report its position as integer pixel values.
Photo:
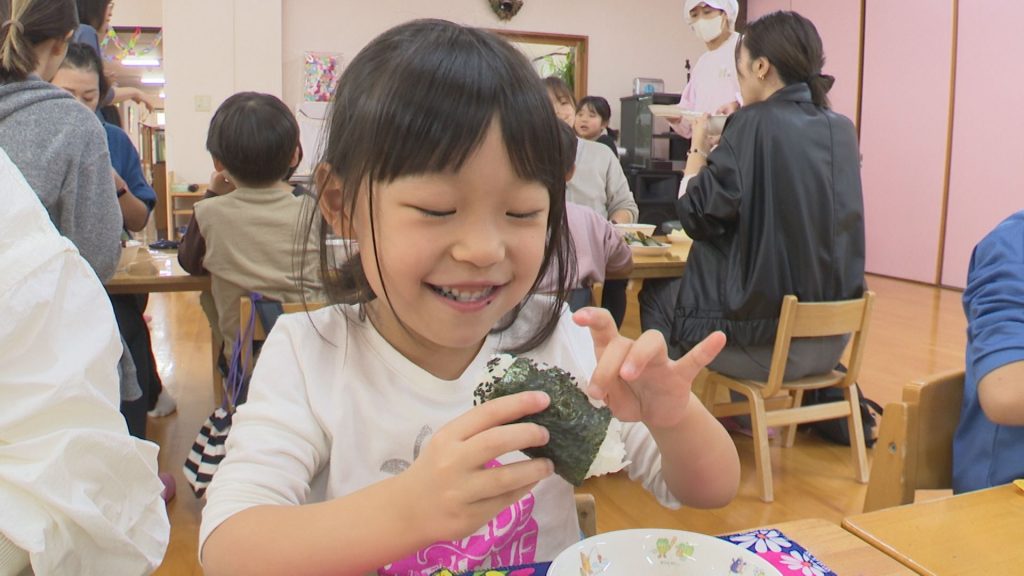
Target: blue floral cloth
(781, 552)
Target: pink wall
(758, 8)
(838, 23)
(988, 152)
(904, 132)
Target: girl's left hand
(699, 138)
(636, 378)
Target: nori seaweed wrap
(584, 438)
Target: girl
(592, 116)
(359, 449)
(597, 183)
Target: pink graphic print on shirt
(509, 539)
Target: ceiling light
(152, 80)
(136, 61)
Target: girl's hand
(728, 108)
(637, 379)
(699, 139)
(453, 492)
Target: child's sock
(165, 405)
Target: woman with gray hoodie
(56, 142)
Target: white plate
(716, 123)
(647, 229)
(665, 110)
(649, 250)
(657, 552)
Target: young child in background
(597, 183)
(592, 116)
(359, 448)
(599, 248)
(246, 233)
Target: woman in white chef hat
(713, 87)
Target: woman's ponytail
(27, 23)
(820, 85)
(17, 58)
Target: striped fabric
(207, 451)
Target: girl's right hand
(452, 492)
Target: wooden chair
(915, 441)
(778, 403)
(586, 512)
(259, 331)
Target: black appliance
(648, 139)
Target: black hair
(254, 136)
(419, 99)
(792, 44)
(26, 23)
(560, 89)
(92, 12)
(600, 107)
(82, 57)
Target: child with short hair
(247, 232)
(359, 449)
(593, 114)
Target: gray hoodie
(61, 148)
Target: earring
(761, 77)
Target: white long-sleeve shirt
(78, 495)
(333, 405)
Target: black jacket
(778, 210)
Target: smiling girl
(359, 449)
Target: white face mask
(708, 29)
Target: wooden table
(972, 533)
(841, 551)
(669, 265)
(167, 277)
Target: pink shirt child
(599, 248)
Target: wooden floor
(916, 330)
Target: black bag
(836, 430)
(208, 449)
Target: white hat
(730, 7)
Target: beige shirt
(256, 241)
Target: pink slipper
(170, 486)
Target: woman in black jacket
(774, 209)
